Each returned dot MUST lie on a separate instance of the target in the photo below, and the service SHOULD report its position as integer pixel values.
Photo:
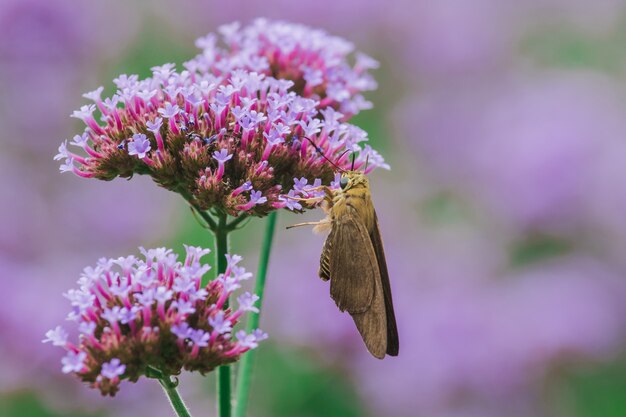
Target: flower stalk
(221, 229)
(221, 232)
(247, 361)
(176, 401)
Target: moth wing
(393, 342)
(353, 268)
(324, 270)
(372, 324)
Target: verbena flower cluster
(316, 62)
(224, 132)
(136, 315)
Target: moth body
(353, 259)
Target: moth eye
(343, 182)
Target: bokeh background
(504, 214)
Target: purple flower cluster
(226, 134)
(136, 317)
(316, 62)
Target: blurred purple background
(504, 215)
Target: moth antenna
(343, 153)
(321, 152)
(367, 159)
(353, 158)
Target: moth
(353, 260)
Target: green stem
(206, 217)
(246, 364)
(175, 400)
(196, 210)
(233, 225)
(223, 372)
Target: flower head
(315, 62)
(269, 107)
(168, 323)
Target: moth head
(350, 179)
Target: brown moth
(353, 260)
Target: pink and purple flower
(223, 122)
(316, 62)
(140, 316)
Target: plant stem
(247, 361)
(223, 372)
(175, 400)
(233, 225)
(221, 246)
(195, 209)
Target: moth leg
(323, 226)
(319, 187)
(306, 224)
(312, 200)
